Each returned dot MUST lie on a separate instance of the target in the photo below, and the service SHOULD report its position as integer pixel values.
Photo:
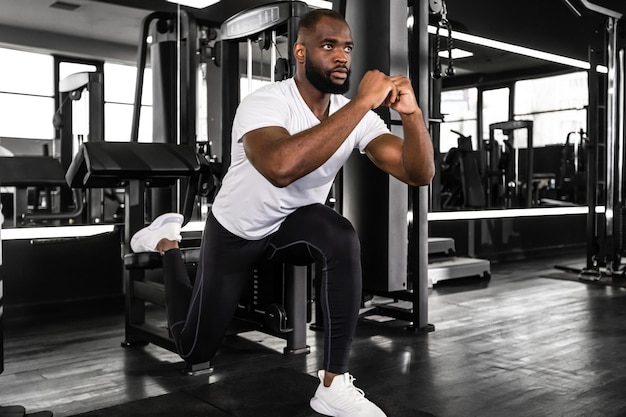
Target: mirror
(511, 128)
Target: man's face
(321, 79)
(328, 56)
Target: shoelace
(353, 396)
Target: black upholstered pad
(31, 171)
(111, 164)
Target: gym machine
(606, 237)
(136, 166)
(507, 186)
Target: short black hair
(310, 19)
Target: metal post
(295, 281)
(230, 95)
(612, 243)
(134, 200)
(614, 148)
(593, 139)
(418, 233)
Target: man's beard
(322, 81)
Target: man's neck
(318, 102)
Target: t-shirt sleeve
(258, 110)
(370, 127)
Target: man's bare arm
(410, 160)
(283, 158)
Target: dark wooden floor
(517, 345)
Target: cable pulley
(443, 23)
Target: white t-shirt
(248, 205)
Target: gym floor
(520, 344)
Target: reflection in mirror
(492, 86)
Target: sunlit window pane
(118, 121)
(120, 83)
(459, 110)
(26, 116)
(26, 72)
(459, 104)
(568, 91)
(552, 128)
(555, 104)
(449, 139)
(495, 108)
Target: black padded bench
(136, 166)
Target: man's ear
(299, 52)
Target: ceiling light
(198, 4)
(516, 49)
(456, 54)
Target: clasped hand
(395, 92)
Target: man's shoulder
(276, 88)
(276, 92)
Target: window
(26, 73)
(555, 104)
(459, 108)
(495, 108)
(119, 96)
(26, 116)
(26, 95)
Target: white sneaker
(166, 226)
(343, 399)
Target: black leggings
(199, 317)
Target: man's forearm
(306, 151)
(417, 150)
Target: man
(289, 141)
